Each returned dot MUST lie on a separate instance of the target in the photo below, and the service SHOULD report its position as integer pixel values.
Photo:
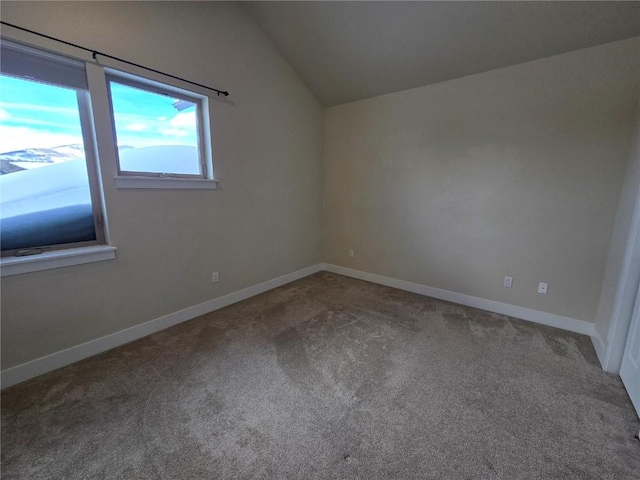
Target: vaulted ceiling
(347, 51)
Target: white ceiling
(347, 51)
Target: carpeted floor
(329, 377)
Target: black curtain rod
(95, 53)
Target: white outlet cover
(508, 282)
(542, 288)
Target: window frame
(136, 179)
(87, 126)
(101, 153)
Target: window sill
(166, 182)
(56, 259)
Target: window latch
(24, 252)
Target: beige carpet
(329, 377)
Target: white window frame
(101, 150)
(138, 179)
(28, 255)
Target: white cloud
(4, 115)
(39, 108)
(18, 138)
(42, 123)
(184, 120)
(136, 127)
(174, 132)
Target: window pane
(44, 184)
(156, 133)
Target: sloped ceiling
(347, 51)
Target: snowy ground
(44, 204)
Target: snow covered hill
(39, 157)
(51, 204)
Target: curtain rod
(95, 53)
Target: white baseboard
(39, 366)
(544, 318)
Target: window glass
(45, 196)
(156, 133)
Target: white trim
(537, 316)
(150, 86)
(625, 297)
(45, 364)
(165, 182)
(56, 259)
(91, 159)
(599, 346)
(28, 370)
(141, 82)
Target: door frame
(625, 296)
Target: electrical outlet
(508, 282)
(542, 288)
(214, 277)
(351, 253)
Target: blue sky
(146, 118)
(35, 115)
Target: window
(49, 189)
(158, 129)
(51, 199)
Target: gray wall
(263, 222)
(513, 172)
